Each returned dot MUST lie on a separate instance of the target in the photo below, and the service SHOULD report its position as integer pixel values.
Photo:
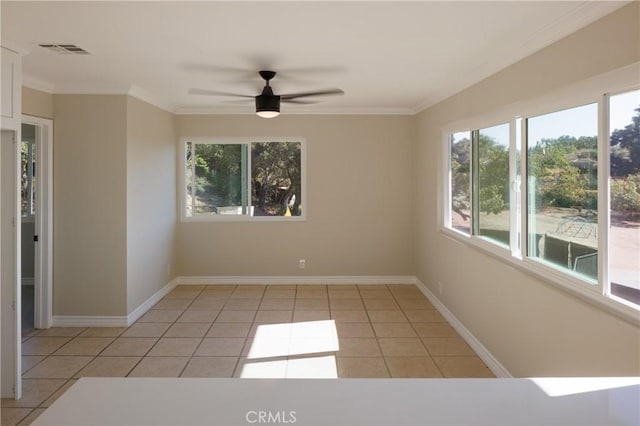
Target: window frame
(598, 90)
(217, 140)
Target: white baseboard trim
(302, 280)
(115, 320)
(89, 321)
(487, 357)
(148, 304)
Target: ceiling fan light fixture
(268, 114)
(268, 106)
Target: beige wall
(37, 103)
(531, 327)
(90, 222)
(151, 200)
(359, 202)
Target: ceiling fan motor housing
(267, 101)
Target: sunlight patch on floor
(293, 350)
(299, 338)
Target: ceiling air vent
(65, 49)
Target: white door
(10, 348)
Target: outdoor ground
(581, 228)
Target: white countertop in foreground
(183, 401)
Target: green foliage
(565, 172)
(492, 199)
(625, 148)
(218, 173)
(625, 194)
(460, 176)
(567, 188)
(276, 178)
(493, 172)
(493, 176)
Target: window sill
(245, 219)
(557, 279)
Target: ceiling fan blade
(317, 93)
(242, 101)
(216, 93)
(296, 101)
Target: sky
(583, 121)
(622, 109)
(579, 121)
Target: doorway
(28, 235)
(36, 223)
(27, 169)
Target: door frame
(11, 285)
(43, 259)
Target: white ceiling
(388, 57)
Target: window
(580, 220)
(562, 168)
(235, 179)
(28, 170)
(479, 177)
(624, 184)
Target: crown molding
(15, 47)
(146, 96)
(37, 84)
(305, 111)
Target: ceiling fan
(267, 102)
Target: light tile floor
(256, 331)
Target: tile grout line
(375, 334)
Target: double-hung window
(576, 172)
(232, 178)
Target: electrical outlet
(439, 288)
(302, 263)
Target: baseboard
(89, 321)
(302, 280)
(148, 304)
(487, 357)
(115, 320)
